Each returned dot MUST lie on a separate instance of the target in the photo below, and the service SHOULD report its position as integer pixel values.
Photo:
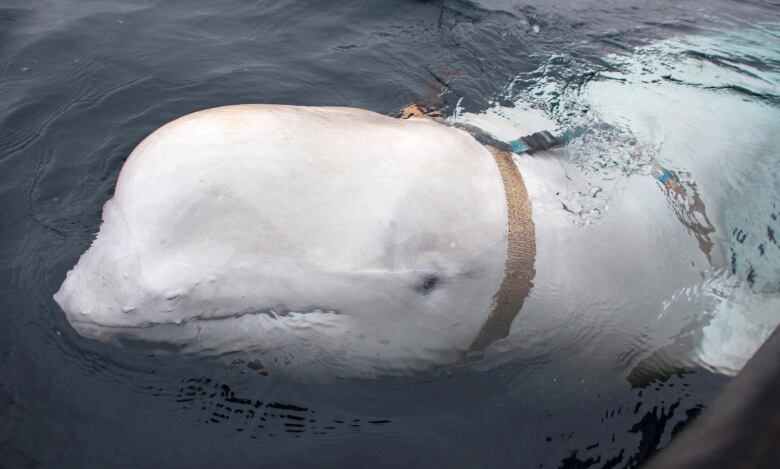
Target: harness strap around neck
(521, 253)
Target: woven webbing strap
(521, 252)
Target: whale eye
(428, 284)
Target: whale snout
(85, 308)
(102, 290)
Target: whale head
(328, 234)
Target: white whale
(336, 241)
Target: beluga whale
(339, 242)
(316, 238)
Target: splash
(699, 115)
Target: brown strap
(521, 253)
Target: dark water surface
(82, 82)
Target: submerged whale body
(333, 238)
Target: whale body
(332, 238)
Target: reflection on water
(677, 135)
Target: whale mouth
(99, 330)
